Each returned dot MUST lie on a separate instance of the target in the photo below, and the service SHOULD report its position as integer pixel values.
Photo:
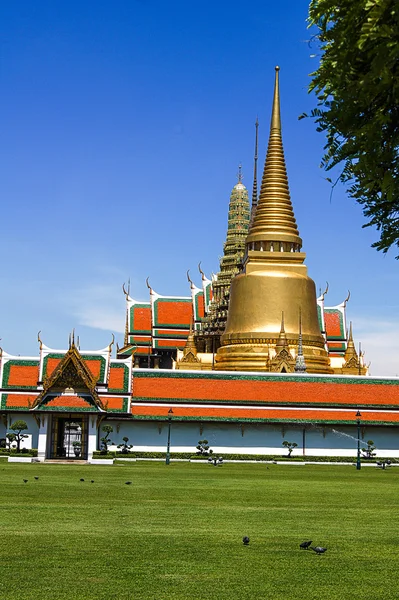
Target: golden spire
(255, 183)
(350, 352)
(274, 226)
(282, 338)
(300, 365)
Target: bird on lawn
(318, 549)
(82, 479)
(92, 481)
(128, 482)
(305, 545)
(36, 478)
(25, 481)
(245, 540)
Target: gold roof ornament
(274, 279)
(354, 362)
(283, 361)
(300, 365)
(71, 373)
(255, 182)
(274, 221)
(189, 359)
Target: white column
(92, 436)
(42, 439)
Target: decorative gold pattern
(71, 372)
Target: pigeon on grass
(305, 545)
(318, 549)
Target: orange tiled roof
(18, 400)
(172, 312)
(316, 391)
(141, 318)
(66, 402)
(116, 379)
(334, 324)
(259, 414)
(23, 375)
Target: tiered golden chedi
(274, 280)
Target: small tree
(10, 440)
(369, 451)
(17, 436)
(203, 448)
(290, 446)
(125, 447)
(105, 441)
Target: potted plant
(77, 447)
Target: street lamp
(358, 417)
(170, 414)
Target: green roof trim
(244, 420)
(171, 334)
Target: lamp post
(170, 414)
(358, 417)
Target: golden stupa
(274, 280)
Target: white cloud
(380, 342)
(100, 306)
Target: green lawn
(176, 532)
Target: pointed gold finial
(255, 183)
(352, 359)
(276, 119)
(282, 338)
(39, 339)
(239, 174)
(274, 226)
(300, 365)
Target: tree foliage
(203, 448)
(357, 88)
(369, 451)
(290, 446)
(125, 447)
(105, 440)
(17, 436)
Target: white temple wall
(255, 438)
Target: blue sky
(122, 127)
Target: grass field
(176, 532)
